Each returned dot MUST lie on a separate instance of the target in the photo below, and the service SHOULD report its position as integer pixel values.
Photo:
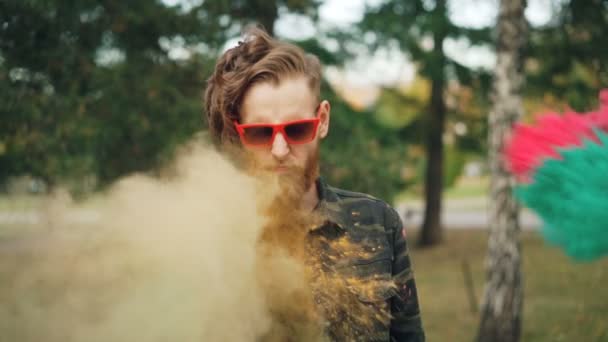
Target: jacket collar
(330, 206)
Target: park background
(92, 91)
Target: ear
(324, 114)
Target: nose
(280, 147)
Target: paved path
(460, 214)
(470, 213)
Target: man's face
(290, 100)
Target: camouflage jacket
(377, 228)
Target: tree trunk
(501, 313)
(431, 232)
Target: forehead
(268, 102)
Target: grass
(20, 202)
(468, 187)
(563, 300)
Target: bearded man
(263, 104)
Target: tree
(89, 88)
(410, 25)
(94, 89)
(359, 153)
(233, 15)
(568, 57)
(502, 304)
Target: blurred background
(93, 90)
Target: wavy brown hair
(258, 58)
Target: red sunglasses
(294, 132)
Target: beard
(288, 186)
(284, 253)
(280, 201)
(296, 181)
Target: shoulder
(367, 209)
(345, 194)
(358, 198)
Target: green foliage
(361, 154)
(396, 109)
(231, 16)
(412, 26)
(147, 117)
(409, 24)
(453, 161)
(568, 57)
(87, 88)
(313, 46)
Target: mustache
(289, 166)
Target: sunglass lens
(257, 135)
(300, 132)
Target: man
(263, 99)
